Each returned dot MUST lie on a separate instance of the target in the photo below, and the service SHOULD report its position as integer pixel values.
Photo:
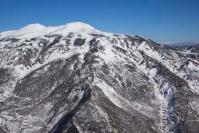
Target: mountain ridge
(36, 28)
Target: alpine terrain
(76, 79)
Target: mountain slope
(74, 78)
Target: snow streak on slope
(121, 102)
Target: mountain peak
(74, 27)
(79, 26)
(28, 30)
(34, 26)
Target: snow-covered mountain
(76, 79)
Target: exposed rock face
(56, 80)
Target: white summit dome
(75, 27)
(35, 30)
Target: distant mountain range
(185, 43)
(74, 78)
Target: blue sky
(160, 20)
